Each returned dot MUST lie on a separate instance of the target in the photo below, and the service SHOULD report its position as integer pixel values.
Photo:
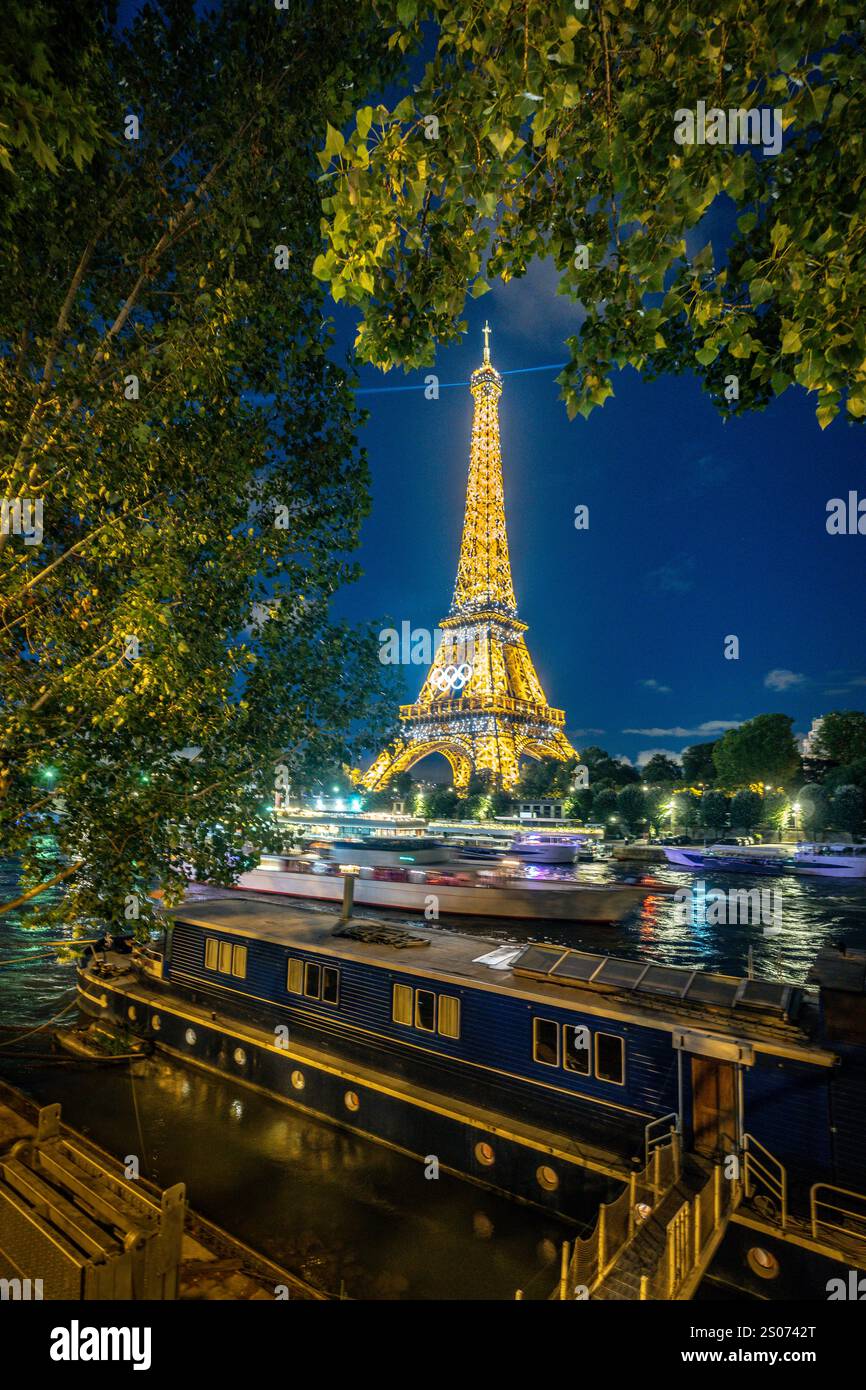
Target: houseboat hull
(547, 903)
(443, 1133)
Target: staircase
(668, 1254)
(657, 1238)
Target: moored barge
(546, 1073)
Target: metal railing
(853, 1220)
(618, 1221)
(486, 704)
(658, 1137)
(762, 1170)
(689, 1233)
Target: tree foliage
(169, 398)
(761, 750)
(660, 768)
(714, 810)
(52, 72)
(631, 806)
(535, 131)
(842, 735)
(747, 809)
(846, 809)
(814, 807)
(698, 765)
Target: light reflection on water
(336, 1208)
(813, 913)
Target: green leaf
(760, 291)
(334, 142)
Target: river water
(341, 1211)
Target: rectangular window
(545, 1041)
(225, 957)
(401, 1007)
(239, 962)
(210, 952)
(425, 1010)
(295, 977)
(609, 1058)
(330, 985)
(576, 1043)
(312, 980)
(449, 1016)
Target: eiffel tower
(482, 706)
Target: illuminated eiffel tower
(482, 706)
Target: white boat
(462, 891)
(540, 848)
(744, 859)
(831, 861)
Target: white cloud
(533, 310)
(653, 684)
(780, 679)
(711, 728)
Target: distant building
(540, 810)
(810, 747)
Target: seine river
(343, 1212)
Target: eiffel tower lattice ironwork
(482, 705)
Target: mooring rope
(31, 1031)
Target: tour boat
(540, 848)
(831, 861)
(731, 859)
(441, 889)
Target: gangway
(657, 1238)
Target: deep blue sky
(698, 529)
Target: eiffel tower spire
(484, 569)
(482, 705)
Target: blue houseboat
(543, 1072)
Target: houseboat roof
(769, 1015)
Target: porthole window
(547, 1178)
(156, 1023)
(351, 1101)
(131, 1013)
(762, 1262)
(240, 1056)
(484, 1153)
(190, 1036)
(298, 1080)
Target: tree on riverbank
(538, 130)
(178, 455)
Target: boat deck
(426, 951)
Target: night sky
(698, 529)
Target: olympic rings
(451, 677)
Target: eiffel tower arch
(482, 705)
